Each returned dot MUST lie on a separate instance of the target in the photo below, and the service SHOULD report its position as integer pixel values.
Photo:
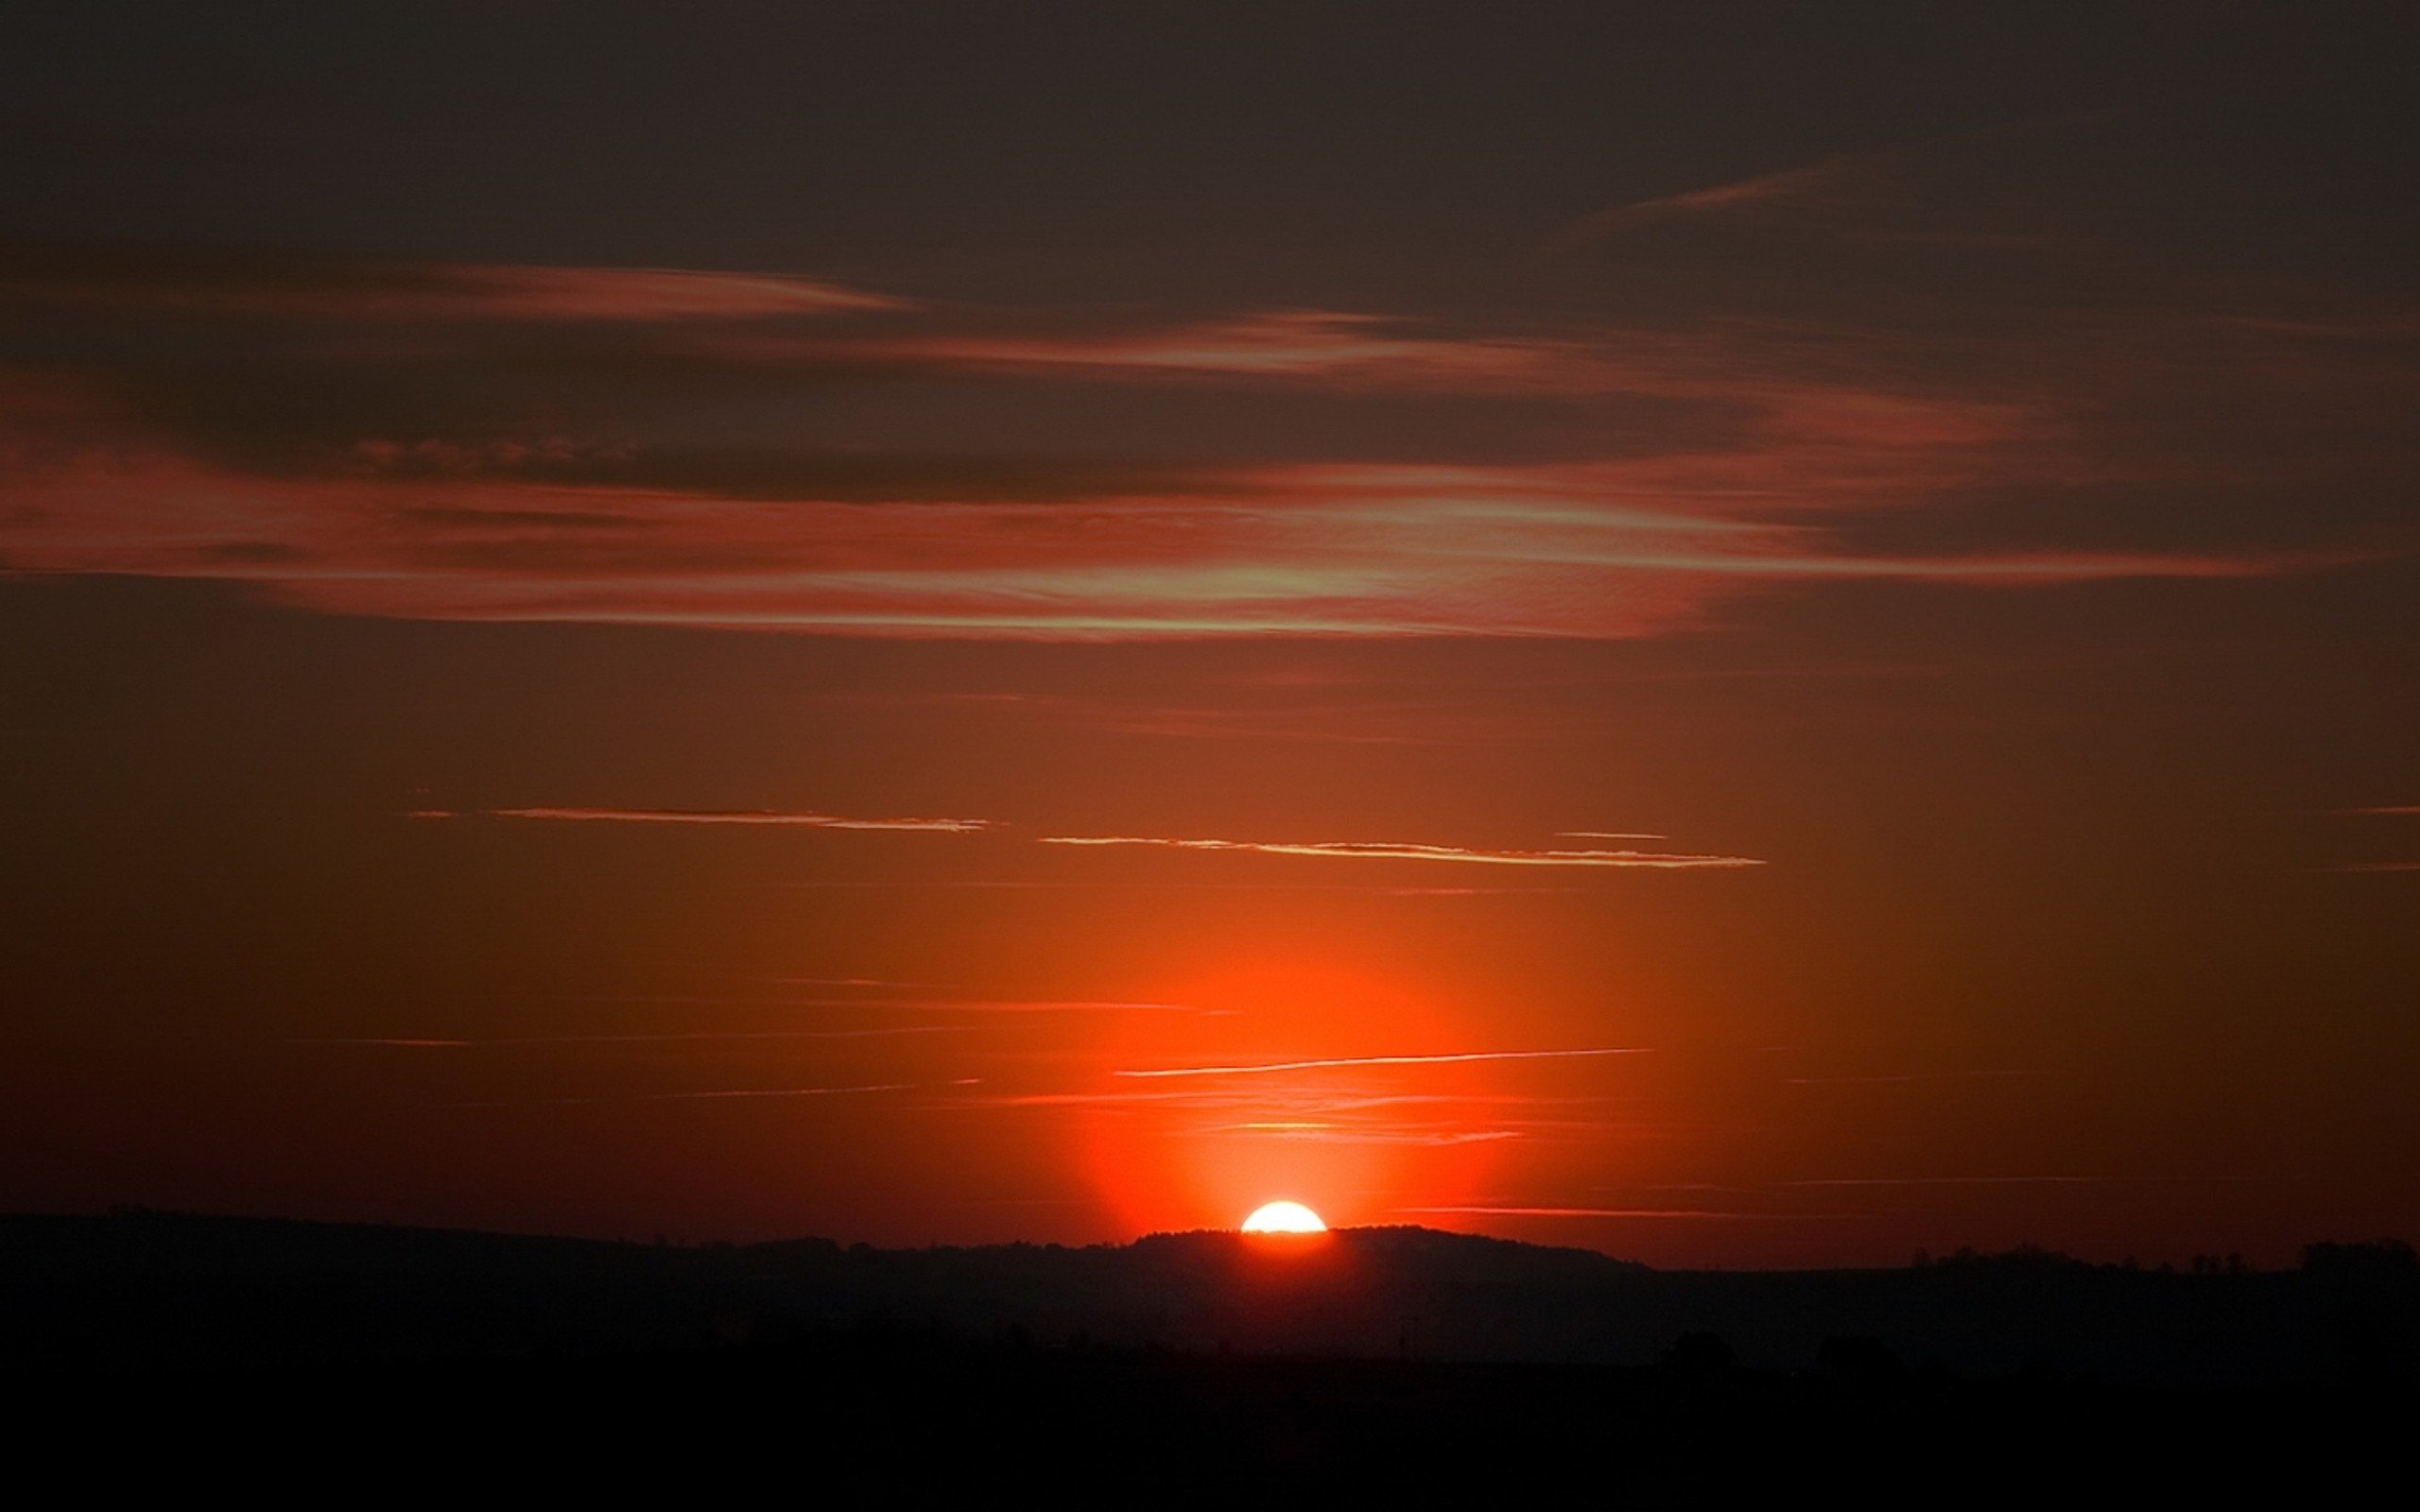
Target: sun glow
(1283, 1218)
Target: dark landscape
(1449, 753)
(1185, 1368)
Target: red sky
(1739, 637)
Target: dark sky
(1773, 633)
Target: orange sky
(1695, 636)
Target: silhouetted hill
(155, 1354)
(153, 1291)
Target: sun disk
(1283, 1218)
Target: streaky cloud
(882, 1033)
(1261, 1068)
(1013, 1006)
(933, 1004)
(777, 1091)
(226, 282)
(1606, 548)
(1842, 180)
(1617, 1212)
(1388, 850)
(1948, 1181)
(1069, 884)
(868, 982)
(1336, 347)
(1331, 1134)
(1185, 1099)
(1905, 1077)
(773, 817)
(1801, 185)
(397, 1043)
(682, 1097)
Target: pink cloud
(1594, 550)
(1793, 438)
(1328, 346)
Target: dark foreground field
(169, 1355)
(884, 1415)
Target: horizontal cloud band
(1406, 852)
(360, 466)
(775, 818)
(1332, 849)
(1614, 1212)
(1261, 1068)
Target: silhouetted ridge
(152, 1289)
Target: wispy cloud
(1948, 1181)
(397, 1043)
(1326, 345)
(1190, 1100)
(1616, 1213)
(702, 1096)
(925, 1004)
(1907, 1077)
(306, 286)
(870, 983)
(1603, 549)
(368, 474)
(1067, 884)
(1806, 185)
(776, 1092)
(1870, 181)
(2359, 867)
(1362, 851)
(777, 818)
(1054, 1005)
(1322, 1104)
(1262, 1068)
(1008, 1006)
(880, 1033)
(1347, 1134)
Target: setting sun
(1283, 1218)
(1745, 677)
